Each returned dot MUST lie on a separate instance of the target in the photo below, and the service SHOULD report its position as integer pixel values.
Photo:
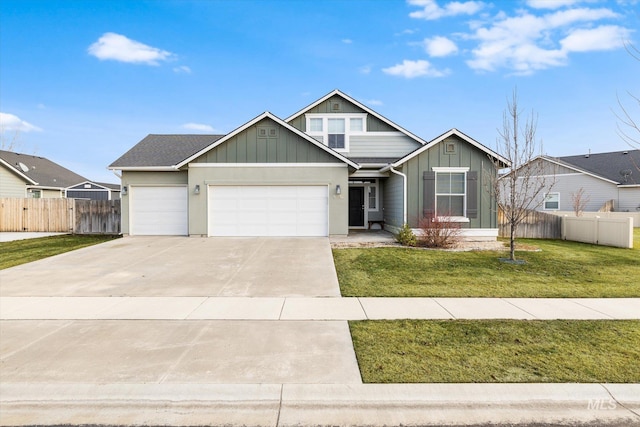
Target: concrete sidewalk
(293, 308)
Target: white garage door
(268, 210)
(159, 211)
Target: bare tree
(628, 127)
(579, 201)
(522, 187)
(9, 139)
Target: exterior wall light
(196, 190)
(338, 189)
(124, 190)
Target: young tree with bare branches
(579, 201)
(628, 125)
(522, 187)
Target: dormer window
(334, 130)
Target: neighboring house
(605, 177)
(333, 166)
(24, 175)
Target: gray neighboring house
(605, 177)
(334, 166)
(29, 176)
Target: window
(552, 202)
(336, 132)
(450, 194)
(334, 129)
(373, 198)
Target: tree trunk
(512, 243)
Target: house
(604, 177)
(24, 175)
(334, 166)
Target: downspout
(404, 193)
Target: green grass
(498, 351)
(560, 269)
(23, 251)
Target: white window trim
(464, 170)
(373, 185)
(325, 127)
(544, 202)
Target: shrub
(440, 232)
(406, 237)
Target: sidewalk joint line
(444, 308)
(280, 405)
(519, 308)
(199, 305)
(284, 301)
(366, 316)
(573, 300)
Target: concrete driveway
(182, 266)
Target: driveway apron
(161, 350)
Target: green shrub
(406, 237)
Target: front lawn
(498, 351)
(560, 269)
(23, 251)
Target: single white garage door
(277, 210)
(159, 211)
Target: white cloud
(182, 69)
(120, 48)
(10, 122)
(527, 42)
(440, 46)
(605, 37)
(431, 10)
(374, 102)
(365, 70)
(551, 4)
(411, 69)
(198, 127)
(347, 41)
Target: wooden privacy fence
(536, 225)
(60, 215)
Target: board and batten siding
(465, 155)
(247, 147)
(11, 185)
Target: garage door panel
(158, 211)
(268, 211)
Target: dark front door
(356, 206)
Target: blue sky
(83, 81)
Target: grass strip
(498, 351)
(560, 269)
(23, 251)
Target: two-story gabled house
(333, 166)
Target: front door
(356, 206)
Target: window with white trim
(373, 197)
(451, 193)
(552, 202)
(333, 130)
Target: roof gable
(444, 136)
(359, 105)
(280, 122)
(39, 170)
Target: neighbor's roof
(622, 167)
(41, 171)
(163, 151)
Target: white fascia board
(145, 168)
(17, 172)
(267, 165)
(629, 186)
(572, 167)
(287, 126)
(362, 106)
(441, 138)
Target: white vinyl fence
(599, 231)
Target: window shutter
(429, 194)
(472, 194)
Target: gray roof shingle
(43, 171)
(163, 150)
(622, 167)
